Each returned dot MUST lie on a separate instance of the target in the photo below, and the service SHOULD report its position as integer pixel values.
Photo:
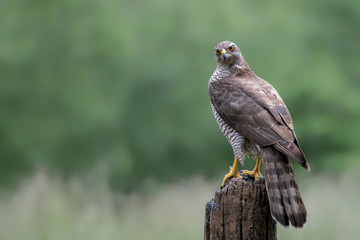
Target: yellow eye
(217, 52)
(231, 48)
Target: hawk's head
(227, 53)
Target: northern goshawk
(256, 122)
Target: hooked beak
(225, 54)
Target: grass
(44, 207)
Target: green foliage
(121, 86)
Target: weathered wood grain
(240, 211)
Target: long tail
(285, 200)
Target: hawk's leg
(256, 172)
(233, 172)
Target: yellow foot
(253, 173)
(233, 173)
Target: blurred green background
(111, 97)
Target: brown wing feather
(255, 109)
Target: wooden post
(240, 211)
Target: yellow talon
(233, 172)
(256, 172)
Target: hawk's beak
(225, 54)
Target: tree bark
(240, 211)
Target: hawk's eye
(231, 48)
(217, 52)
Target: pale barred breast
(234, 137)
(219, 73)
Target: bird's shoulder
(248, 94)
